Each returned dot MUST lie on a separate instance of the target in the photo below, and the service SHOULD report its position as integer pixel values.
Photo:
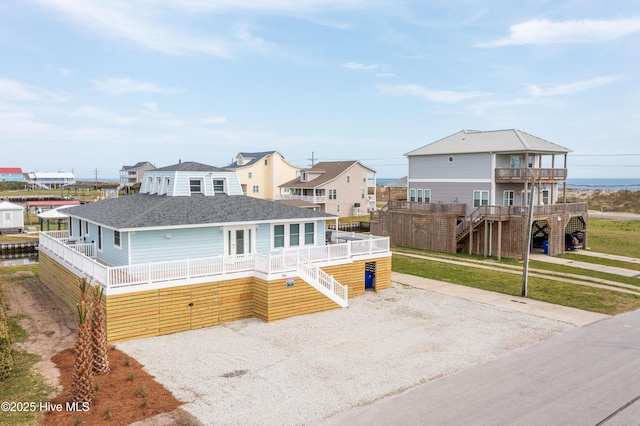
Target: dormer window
(195, 186)
(303, 176)
(218, 186)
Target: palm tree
(82, 384)
(98, 333)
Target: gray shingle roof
(255, 156)
(150, 211)
(190, 166)
(474, 141)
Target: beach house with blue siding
(191, 251)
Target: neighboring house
(261, 173)
(44, 205)
(472, 191)
(11, 218)
(11, 174)
(343, 188)
(130, 175)
(191, 251)
(49, 180)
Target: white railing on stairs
(323, 282)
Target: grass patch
(573, 295)
(614, 236)
(23, 385)
(602, 261)
(588, 274)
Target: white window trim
(287, 234)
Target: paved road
(579, 377)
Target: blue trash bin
(368, 279)
(545, 246)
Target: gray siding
(463, 166)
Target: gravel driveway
(305, 369)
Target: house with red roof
(11, 174)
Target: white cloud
(214, 120)
(385, 74)
(17, 122)
(570, 88)
(152, 106)
(358, 66)
(441, 96)
(138, 22)
(17, 91)
(105, 116)
(543, 31)
(121, 86)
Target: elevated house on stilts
(472, 192)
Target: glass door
(239, 241)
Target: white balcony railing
(315, 199)
(80, 256)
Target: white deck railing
(80, 257)
(314, 199)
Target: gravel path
(305, 369)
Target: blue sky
(90, 85)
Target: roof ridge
(522, 139)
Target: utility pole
(96, 174)
(527, 249)
(312, 159)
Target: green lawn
(552, 291)
(620, 237)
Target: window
(86, 228)
(308, 233)
(528, 198)
(419, 195)
(412, 195)
(480, 198)
(250, 175)
(362, 194)
(266, 162)
(348, 178)
(195, 185)
(99, 237)
(256, 189)
(159, 185)
(427, 195)
(333, 194)
(116, 238)
(79, 224)
(278, 236)
(338, 208)
(545, 197)
(507, 198)
(364, 178)
(218, 186)
(294, 234)
(514, 162)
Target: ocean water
(610, 183)
(580, 183)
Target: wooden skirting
(170, 310)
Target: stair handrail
(323, 282)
